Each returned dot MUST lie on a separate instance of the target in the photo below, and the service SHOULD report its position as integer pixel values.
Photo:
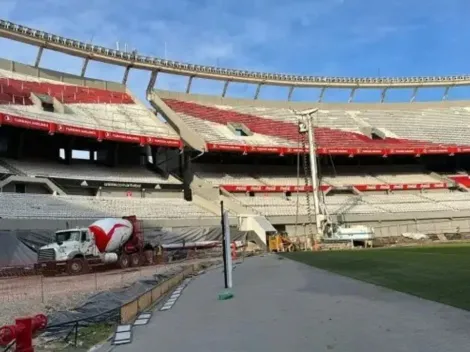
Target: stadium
(399, 167)
(75, 150)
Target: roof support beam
(188, 86)
(383, 95)
(258, 89)
(322, 93)
(446, 93)
(291, 90)
(85, 65)
(126, 75)
(351, 95)
(413, 95)
(38, 57)
(224, 92)
(152, 81)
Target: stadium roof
(129, 60)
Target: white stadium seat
(84, 107)
(128, 174)
(40, 206)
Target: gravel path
(281, 305)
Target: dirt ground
(37, 294)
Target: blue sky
(319, 37)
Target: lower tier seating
(40, 206)
(370, 204)
(90, 172)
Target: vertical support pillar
(68, 155)
(322, 93)
(291, 91)
(258, 89)
(152, 81)
(351, 95)
(68, 150)
(20, 145)
(224, 92)
(446, 93)
(154, 153)
(126, 75)
(187, 176)
(188, 86)
(38, 57)
(383, 95)
(84, 67)
(115, 154)
(413, 95)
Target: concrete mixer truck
(106, 241)
(110, 242)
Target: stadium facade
(400, 167)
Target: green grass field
(440, 274)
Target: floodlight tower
(306, 126)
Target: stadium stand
(354, 129)
(370, 204)
(78, 110)
(269, 175)
(86, 171)
(27, 206)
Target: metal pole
(228, 254)
(224, 254)
(314, 172)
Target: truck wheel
(149, 257)
(135, 260)
(124, 261)
(76, 266)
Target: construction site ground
(29, 295)
(283, 305)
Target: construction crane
(326, 229)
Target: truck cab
(68, 244)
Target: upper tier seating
(95, 172)
(255, 175)
(32, 206)
(84, 107)
(335, 128)
(370, 204)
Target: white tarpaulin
(415, 236)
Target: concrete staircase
(209, 197)
(37, 180)
(13, 170)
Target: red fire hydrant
(22, 332)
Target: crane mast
(306, 125)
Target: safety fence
(45, 290)
(133, 300)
